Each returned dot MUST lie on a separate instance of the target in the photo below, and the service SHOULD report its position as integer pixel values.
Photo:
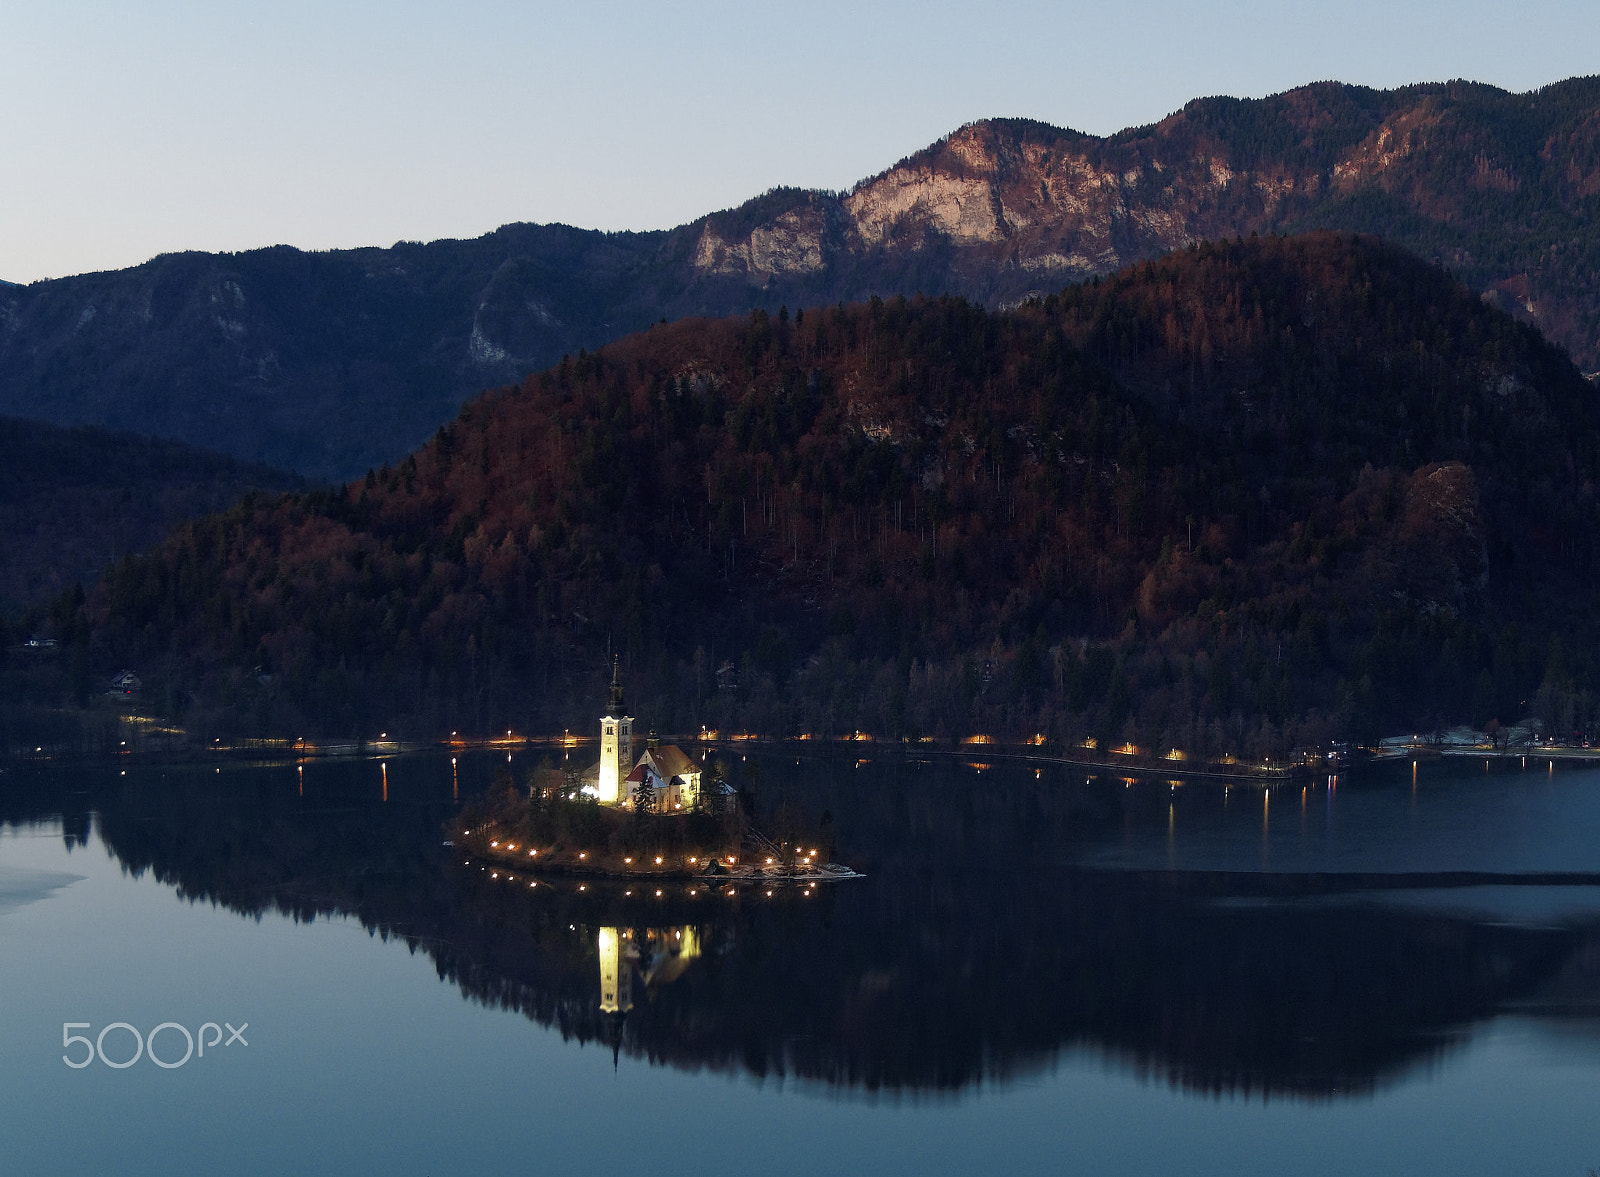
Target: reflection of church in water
(658, 955)
(666, 775)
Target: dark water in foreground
(1040, 973)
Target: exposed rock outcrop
(334, 361)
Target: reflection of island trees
(938, 971)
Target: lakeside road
(267, 751)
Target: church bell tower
(616, 746)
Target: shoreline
(268, 752)
(718, 867)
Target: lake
(1041, 971)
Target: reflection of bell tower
(616, 974)
(616, 985)
(616, 746)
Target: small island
(662, 815)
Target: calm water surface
(1040, 973)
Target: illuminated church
(672, 777)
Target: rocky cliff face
(332, 362)
(1453, 171)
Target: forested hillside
(329, 362)
(73, 501)
(1251, 495)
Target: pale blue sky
(128, 130)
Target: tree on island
(644, 797)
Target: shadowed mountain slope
(331, 362)
(1244, 497)
(73, 501)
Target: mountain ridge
(331, 362)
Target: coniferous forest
(1250, 496)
